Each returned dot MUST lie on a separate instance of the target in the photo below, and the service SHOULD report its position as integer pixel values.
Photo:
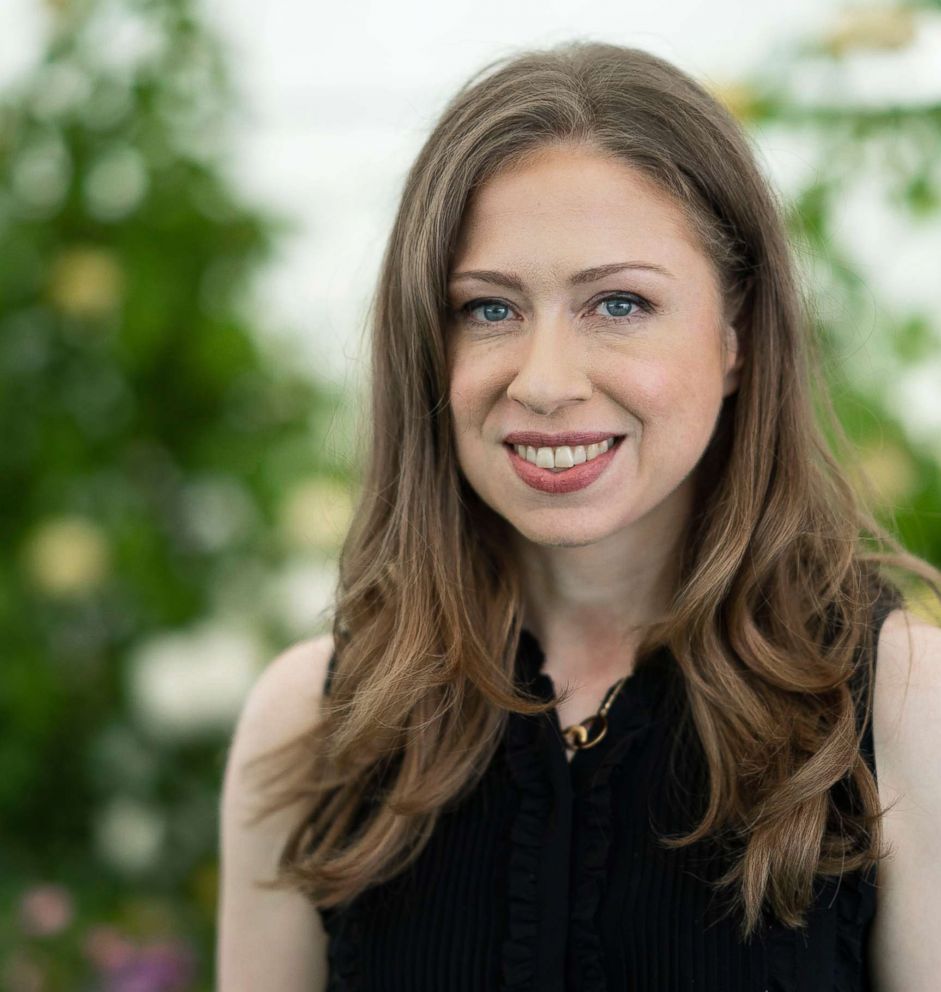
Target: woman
(612, 666)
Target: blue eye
(618, 301)
(485, 305)
(499, 309)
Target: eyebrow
(510, 280)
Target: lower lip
(569, 481)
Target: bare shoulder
(903, 951)
(286, 695)
(908, 680)
(268, 938)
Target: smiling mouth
(618, 438)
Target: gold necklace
(578, 736)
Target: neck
(581, 597)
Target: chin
(558, 537)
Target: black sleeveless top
(549, 877)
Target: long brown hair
(779, 571)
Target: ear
(735, 359)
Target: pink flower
(160, 966)
(107, 948)
(46, 910)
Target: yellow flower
(923, 603)
(316, 514)
(85, 282)
(67, 556)
(737, 97)
(885, 28)
(890, 471)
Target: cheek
(469, 394)
(672, 391)
(460, 382)
(473, 383)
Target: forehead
(564, 205)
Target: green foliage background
(149, 440)
(155, 451)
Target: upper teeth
(564, 456)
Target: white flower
(129, 834)
(190, 684)
(120, 39)
(915, 400)
(116, 183)
(302, 596)
(219, 510)
(40, 176)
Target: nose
(552, 371)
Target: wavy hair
(780, 567)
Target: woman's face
(636, 353)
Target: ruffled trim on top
(586, 940)
(520, 947)
(631, 716)
(524, 760)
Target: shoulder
(904, 954)
(286, 695)
(283, 702)
(908, 689)
(268, 939)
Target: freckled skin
(558, 359)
